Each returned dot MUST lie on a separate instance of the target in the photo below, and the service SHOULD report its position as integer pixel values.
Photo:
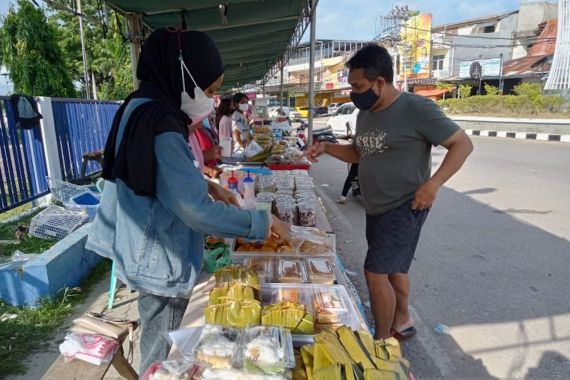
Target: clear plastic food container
(264, 267)
(218, 346)
(320, 271)
(268, 349)
(291, 271)
(307, 214)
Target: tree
(108, 56)
(29, 50)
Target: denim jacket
(157, 242)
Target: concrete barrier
(480, 123)
(63, 265)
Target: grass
(28, 244)
(15, 211)
(32, 329)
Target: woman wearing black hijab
(155, 206)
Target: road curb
(519, 135)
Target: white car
(343, 123)
(334, 107)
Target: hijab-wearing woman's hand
(220, 194)
(279, 229)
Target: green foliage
(464, 91)
(108, 55)
(28, 244)
(508, 105)
(491, 90)
(29, 51)
(445, 86)
(33, 326)
(532, 90)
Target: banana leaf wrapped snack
(290, 315)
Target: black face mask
(365, 100)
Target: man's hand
(280, 230)
(212, 154)
(220, 194)
(315, 151)
(425, 196)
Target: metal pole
(501, 76)
(281, 88)
(83, 52)
(311, 100)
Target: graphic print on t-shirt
(371, 142)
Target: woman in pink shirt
(226, 109)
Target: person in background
(156, 205)
(395, 132)
(352, 173)
(210, 146)
(225, 110)
(240, 126)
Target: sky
(358, 19)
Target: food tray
(349, 316)
(267, 268)
(241, 256)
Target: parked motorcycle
(320, 135)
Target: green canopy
(252, 35)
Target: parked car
(343, 123)
(294, 115)
(333, 107)
(303, 111)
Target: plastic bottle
(233, 182)
(249, 191)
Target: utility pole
(83, 52)
(312, 71)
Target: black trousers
(351, 176)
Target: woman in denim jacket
(156, 205)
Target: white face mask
(244, 107)
(198, 108)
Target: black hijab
(160, 78)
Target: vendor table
(194, 315)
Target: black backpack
(26, 111)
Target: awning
(252, 35)
(431, 93)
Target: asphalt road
(492, 264)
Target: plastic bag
(217, 258)
(172, 369)
(94, 349)
(252, 149)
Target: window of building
(437, 62)
(489, 29)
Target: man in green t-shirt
(394, 135)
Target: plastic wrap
(291, 271)
(236, 274)
(264, 267)
(268, 349)
(219, 346)
(320, 271)
(171, 370)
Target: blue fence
(81, 126)
(22, 162)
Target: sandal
(404, 334)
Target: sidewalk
(125, 306)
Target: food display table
(194, 315)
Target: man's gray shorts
(392, 239)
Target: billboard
(491, 67)
(416, 41)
